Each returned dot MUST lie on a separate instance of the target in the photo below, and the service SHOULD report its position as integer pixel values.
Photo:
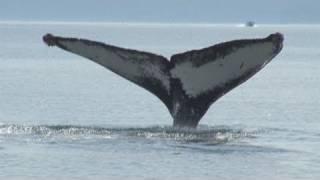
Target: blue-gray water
(64, 116)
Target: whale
(190, 82)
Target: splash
(203, 134)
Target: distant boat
(250, 24)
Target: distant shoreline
(16, 22)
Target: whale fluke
(191, 81)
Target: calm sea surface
(64, 116)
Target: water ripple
(204, 134)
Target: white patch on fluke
(119, 61)
(197, 80)
(107, 59)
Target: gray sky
(193, 11)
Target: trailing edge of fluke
(191, 81)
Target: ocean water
(64, 116)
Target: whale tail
(191, 81)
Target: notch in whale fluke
(191, 81)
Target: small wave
(203, 134)
(50, 130)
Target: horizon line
(67, 22)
